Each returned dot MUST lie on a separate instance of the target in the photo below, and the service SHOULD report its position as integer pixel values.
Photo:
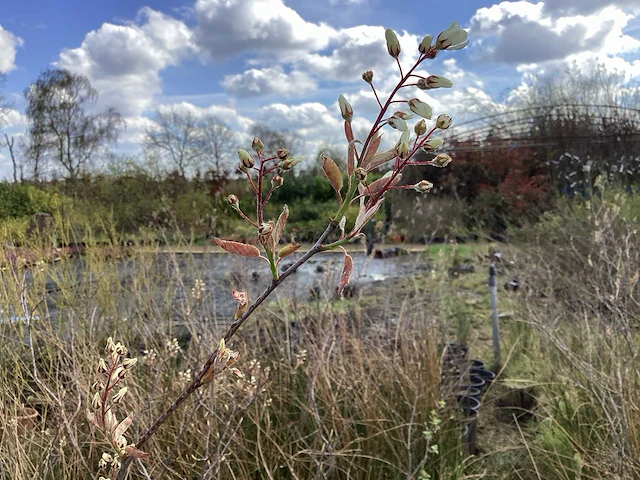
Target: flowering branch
(369, 195)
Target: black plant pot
(470, 391)
(486, 375)
(469, 404)
(477, 364)
(476, 381)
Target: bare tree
(5, 105)
(220, 143)
(10, 142)
(60, 129)
(177, 138)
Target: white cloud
(267, 81)
(226, 28)
(586, 7)
(8, 46)
(123, 62)
(550, 35)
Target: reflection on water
(168, 279)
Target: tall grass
(331, 389)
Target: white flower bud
(453, 38)
(246, 159)
(393, 45)
(398, 124)
(120, 395)
(436, 81)
(432, 144)
(425, 44)
(257, 145)
(443, 121)
(441, 160)
(424, 186)
(345, 108)
(420, 128)
(420, 108)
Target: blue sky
(284, 62)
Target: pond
(170, 278)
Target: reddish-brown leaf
(376, 187)
(276, 235)
(348, 132)
(288, 250)
(371, 151)
(122, 427)
(365, 215)
(332, 172)
(380, 159)
(351, 156)
(347, 269)
(237, 248)
(132, 451)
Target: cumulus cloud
(123, 62)
(228, 28)
(523, 33)
(267, 81)
(8, 46)
(585, 7)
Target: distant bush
(19, 201)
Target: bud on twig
(424, 186)
(432, 144)
(425, 44)
(129, 362)
(102, 366)
(368, 76)
(257, 145)
(345, 108)
(265, 228)
(402, 148)
(282, 153)
(398, 123)
(277, 181)
(393, 45)
(361, 174)
(288, 164)
(120, 395)
(420, 108)
(436, 81)
(246, 159)
(453, 38)
(443, 121)
(441, 160)
(233, 201)
(420, 128)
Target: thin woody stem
(197, 380)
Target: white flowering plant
(265, 173)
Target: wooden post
(495, 325)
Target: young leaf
(380, 159)
(122, 427)
(332, 172)
(132, 451)
(276, 235)
(371, 151)
(348, 131)
(364, 215)
(242, 300)
(288, 250)
(237, 248)
(347, 269)
(376, 187)
(351, 156)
